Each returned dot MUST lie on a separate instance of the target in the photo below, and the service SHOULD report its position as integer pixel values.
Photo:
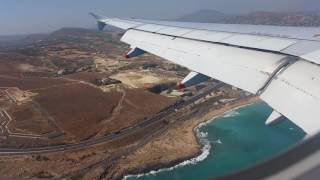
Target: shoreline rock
(178, 144)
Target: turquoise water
(238, 139)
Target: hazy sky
(33, 16)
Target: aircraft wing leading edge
(279, 64)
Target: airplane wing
(279, 64)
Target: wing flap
(313, 56)
(259, 42)
(151, 27)
(211, 59)
(295, 93)
(286, 40)
(302, 48)
(246, 56)
(204, 35)
(175, 31)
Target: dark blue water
(238, 140)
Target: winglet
(97, 17)
(100, 22)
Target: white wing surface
(279, 64)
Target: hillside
(204, 16)
(262, 18)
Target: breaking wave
(206, 146)
(231, 113)
(205, 151)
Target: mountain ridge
(299, 18)
(308, 19)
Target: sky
(42, 16)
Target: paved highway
(116, 135)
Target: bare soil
(178, 143)
(28, 119)
(137, 105)
(86, 76)
(77, 106)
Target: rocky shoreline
(178, 144)
(159, 166)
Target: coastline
(178, 146)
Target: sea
(233, 141)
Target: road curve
(115, 135)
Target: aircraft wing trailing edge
(279, 64)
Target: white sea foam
(217, 141)
(232, 113)
(206, 146)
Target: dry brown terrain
(85, 76)
(76, 106)
(178, 143)
(28, 120)
(137, 104)
(49, 96)
(65, 163)
(49, 90)
(155, 146)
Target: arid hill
(261, 18)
